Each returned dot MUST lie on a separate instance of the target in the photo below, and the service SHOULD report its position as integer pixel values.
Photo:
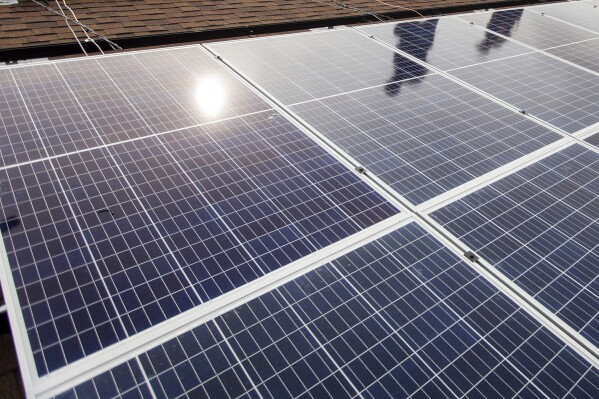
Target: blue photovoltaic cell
(281, 193)
(196, 364)
(580, 13)
(19, 141)
(61, 122)
(178, 88)
(212, 258)
(539, 227)
(446, 43)
(424, 137)
(144, 280)
(397, 317)
(555, 92)
(530, 27)
(123, 381)
(594, 139)
(295, 68)
(65, 306)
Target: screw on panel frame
(471, 256)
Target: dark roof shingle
(27, 24)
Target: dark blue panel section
(538, 226)
(530, 27)
(445, 43)
(124, 381)
(450, 315)
(555, 92)
(594, 140)
(62, 123)
(146, 283)
(212, 258)
(401, 316)
(65, 306)
(408, 318)
(302, 67)
(197, 364)
(587, 387)
(19, 141)
(424, 137)
(281, 193)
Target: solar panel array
(109, 238)
(400, 316)
(391, 210)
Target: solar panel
(530, 27)
(585, 54)
(578, 13)
(188, 223)
(295, 68)
(424, 137)
(446, 43)
(538, 226)
(399, 316)
(553, 91)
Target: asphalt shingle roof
(27, 24)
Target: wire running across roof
(404, 209)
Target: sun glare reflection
(210, 95)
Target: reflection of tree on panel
(502, 22)
(416, 39)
